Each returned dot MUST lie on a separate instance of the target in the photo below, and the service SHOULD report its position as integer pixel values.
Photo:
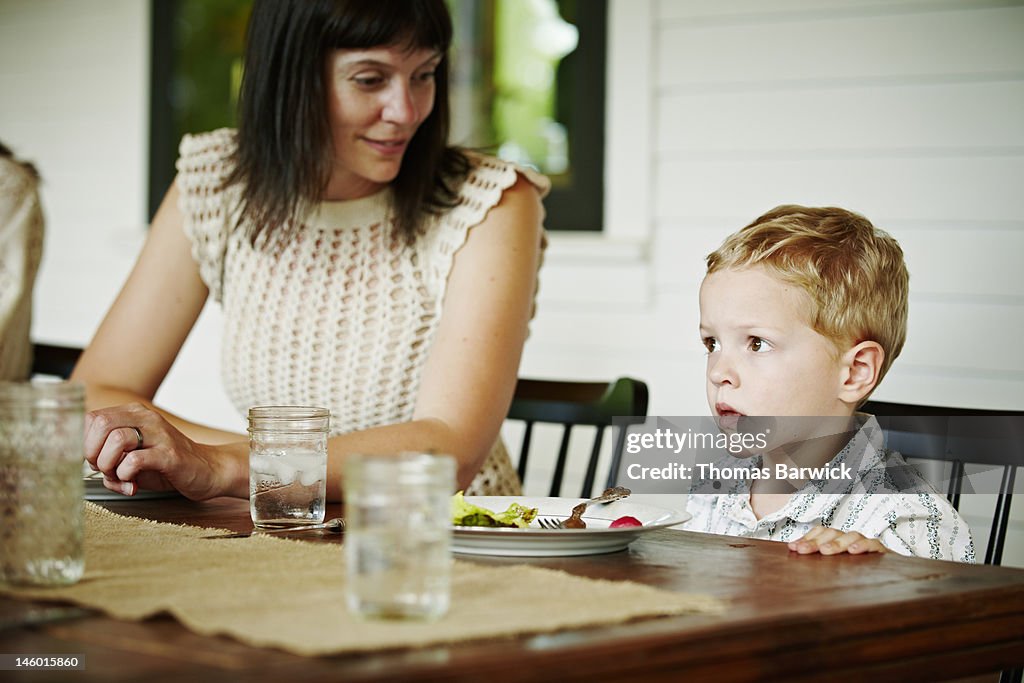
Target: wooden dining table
(788, 617)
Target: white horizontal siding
(972, 262)
(819, 51)
(971, 336)
(595, 283)
(883, 188)
(733, 11)
(883, 120)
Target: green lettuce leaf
(467, 514)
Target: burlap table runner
(289, 594)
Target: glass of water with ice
(287, 465)
(398, 535)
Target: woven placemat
(289, 594)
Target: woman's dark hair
(285, 153)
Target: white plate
(533, 541)
(95, 490)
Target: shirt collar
(819, 498)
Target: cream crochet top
(337, 312)
(21, 249)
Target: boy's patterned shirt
(885, 499)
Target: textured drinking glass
(287, 465)
(41, 485)
(398, 535)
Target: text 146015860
(46, 662)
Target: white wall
(909, 111)
(74, 79)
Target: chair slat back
(571, 404)
(960, 437)
(54, 360)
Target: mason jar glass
(398, 534)
(287, 465)
(41, 483)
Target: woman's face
(377, 99)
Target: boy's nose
(721, 370)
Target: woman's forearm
(424, 436)
(99, 396)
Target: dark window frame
(163, 145)
(579, 206)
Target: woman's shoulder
(207, 156)
(489, 175)
(223, 140)
(485, 182)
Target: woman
(361, 263)
(21, 250)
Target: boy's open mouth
(728, 417)
(726, 410)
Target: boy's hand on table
(828, 541)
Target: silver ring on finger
(138, 438)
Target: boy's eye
(758, 345)
(711, 344)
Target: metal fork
(550, 523)
(575, 519)
(334, 526)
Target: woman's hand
(164, 460)
(828, 541)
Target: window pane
(531, 39)
(196, 71)
(528, 85)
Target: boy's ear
(861, 367)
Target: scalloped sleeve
(204, 162)
(480, 192)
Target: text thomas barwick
(706, 470)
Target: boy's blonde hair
(853, 272)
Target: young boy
(802, 313)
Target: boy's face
(763, 356)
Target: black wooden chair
(53, 360)
(960, 437)
(571, 404)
